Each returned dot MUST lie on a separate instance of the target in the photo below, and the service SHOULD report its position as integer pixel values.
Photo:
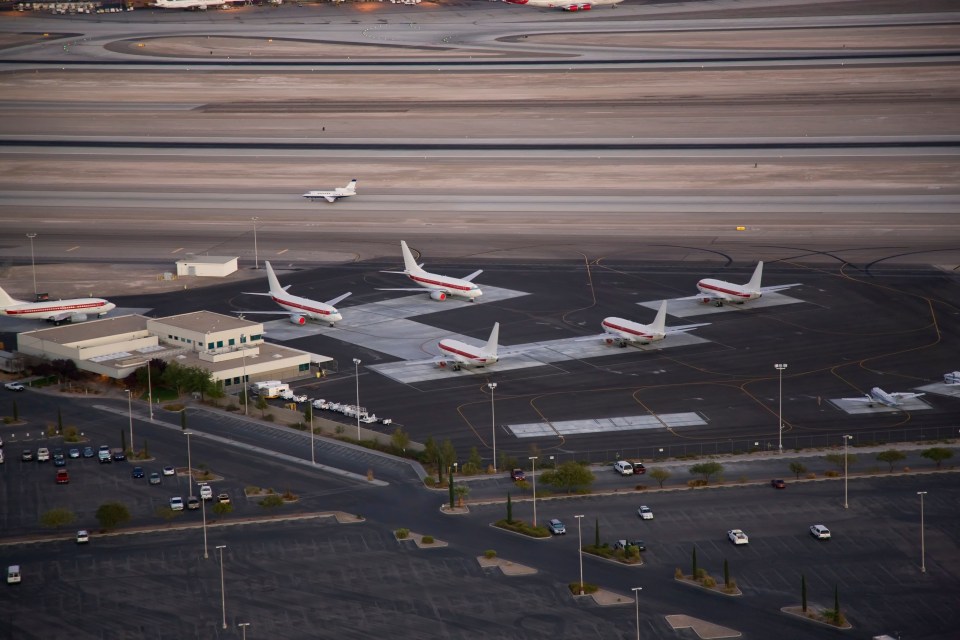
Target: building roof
(91, 329)
(208, 322)
(268, 353)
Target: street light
(493, 424)
(243, 350)
(636, 597)
(580, 549)
(312, 456)
(356, 374)
(223, 594)
(243, 626)
(780, 368)
(189, 463)
(256, 257)
(923, 550)
(203, 509)
(533, 474)
(846, 505)
(130, 416)
(149, 392)
(33, 264)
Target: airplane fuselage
(569, 5)
(48, 310)
(630, 331)
(450, 286)
(466, 354)
(308, 308)
(726, 291)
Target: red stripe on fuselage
(65, 307)
(296, 305)
(731, 292)
(632, 332)
(439, 283)
(465, 354)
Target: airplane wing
(779, 287)
(58, 317)
(684, 327)
(330, 198)
(473, 275)
(906, 396)
(279, 312)
(334, 302)
(701, 296)
(862, 399)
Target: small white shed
(210, 266)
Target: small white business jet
(718, 292)
(625, 332)
(336, 194)
(570, 5)
(300, 309)
(55, 311)
(439, 286)
(879, 396)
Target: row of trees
(177, 377)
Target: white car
(83, 536)
(645, 513)
(176, 503)
(14, 386)
(43, 454)
(206, 492)
(820, 532)
(169, 471)
(737, 536)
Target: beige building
(209, 266)
(230, 348)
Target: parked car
(193, 502)
(74, 452)
(27, 455)
(517, 475)
(623, 544)
(83, 536)
(119, 455)
(778, 484)
(638, 468)
(556, 527)
(155, 478)
(176, 503)
(645, 513)
(43, 454)
(820, 532)
(62, 476)
(737, 536)
(103, 454)
(58, 458)
(623, 467)
(169, 471)
(137, 472)
(206, 492)
(223, 498)
(88, 452)
(14, 386)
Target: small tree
(56, 518)
(596, 532)
(183, 419)
(262, 405)
(400, 439)
(803, 592)
(462, 491)
(937, 455)
(451, 488)
(16, 412)
(694, 561)
(123, 440)
(707, 470)
(509, 509)
(659, 474)
(59, 420)
(797, 468)
(837, 460)
(891, 457)
(836, 604)
(111, 515)
(569, 476)
(726, 573)
(222, 508)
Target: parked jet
(300, 309)
(336, 194)
(951, 378)
(202, 5)
(718, 292)
(879, 396)
(55, 311)
(624, 332)
(440, 286)
(570, 5)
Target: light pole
(223, 594)
(243, 347)
(313, 460)
(780, 368)
(356, 374)
(636, 597)
(130, 416)
(256, 257)
(923, 550)
(846, 505)
(493, 423)
(149, 392)
(33, 264)
(533, 474)
(189, 463)
(580, 549)
(203, 509)
(243, 626)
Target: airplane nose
(336, 317)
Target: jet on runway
(439, 286)
(625, 332)
(300, 309)
(336, 194)
(202, 5)
(718, 292)
(879, 396)
(456, 354)
(58, 311)
(570, 5)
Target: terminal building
(231, 349)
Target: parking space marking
(605, 425)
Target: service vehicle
(14, 386)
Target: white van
(13, 574)
(623, 467)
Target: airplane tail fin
(409, 263)
(491, 346)
(659, 325)
(351, 186)
(6, 300)
(275, 287)
(754, 284)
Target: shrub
(70, 434)
(832, 474)
(173, 407)
(709, 582)
(811, 476)
(427, 539)
(520, 526)
(640, 487)
(402, 534)
(489, 554)
(232, 407)
(697, 483)
(252, 490)
(678, 574)
(587, 588)
(272, 500)
(701, 573)
(429, 481)
(269, 417)
(289, 495)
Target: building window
(219, 343)
(236, 380)
(256, 338)
(243, 339)
(305, 367)
(232, 342)
(209, 345)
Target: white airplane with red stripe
(625, 332)
(440, 287)
(570, 5)
(55, 311)
(300, 309)
(457, 354)
(717, 292)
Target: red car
(517, 475)
(62, 476)
(638, 468)
(778, 484)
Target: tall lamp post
(780, 368)
(189, 463)
(356, 374)
(130, 416)
(580, 549)
(493, 423)
(33, 264)
(223, 594)
(313, 460)
(203, 508)
(243, 627)
(846, 505)
(243, 347)
(256, 257)
(923, 550)
(636, 597)
(533, 474)
(149, 392)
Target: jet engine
(297, 319)
(442, 364)
(708, 300)
(438, 295)
(78, 317)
